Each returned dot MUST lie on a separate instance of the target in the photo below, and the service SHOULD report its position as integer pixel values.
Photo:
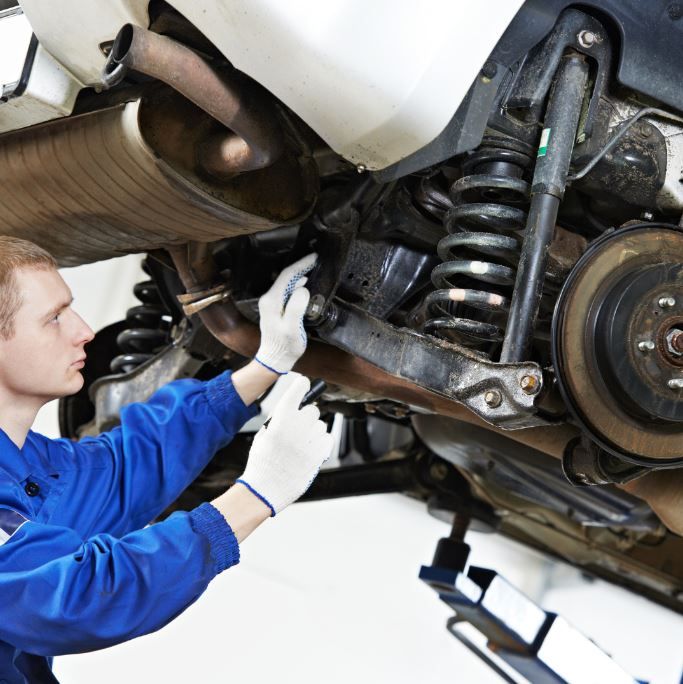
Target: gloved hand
(282, 308)
(287, 453)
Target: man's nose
(84, 332)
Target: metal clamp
(193, 302)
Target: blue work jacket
(77, 570)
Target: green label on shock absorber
(543, 146)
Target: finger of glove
(304, 428)
(296, 307)
(308, 416)
(324, 444)
(286, 282)
(289, 403)
(259, 438)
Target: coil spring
(481, 251)
(149, 329)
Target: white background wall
(328, 591)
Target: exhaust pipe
(256, 141)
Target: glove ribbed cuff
(225, 550)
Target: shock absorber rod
(550, 177)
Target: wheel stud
(646, 345)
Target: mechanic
(77, 570)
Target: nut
(667, 302)
(530, 384)
(493, 398)
(674, 341)
(675, 384)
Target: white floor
(328, 591)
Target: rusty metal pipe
(197, 272)
(257, 140)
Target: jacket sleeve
(160, 447)
(61, 594)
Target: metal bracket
(502, 394)
(111, 393)
(534, 80)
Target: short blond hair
(17, 253)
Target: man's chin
(74, 384)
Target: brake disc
(618, 343)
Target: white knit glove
(282, 309)
(287, 452)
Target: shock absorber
(481, 251)
(562, 118)
(149, 329)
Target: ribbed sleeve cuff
(207, 520)
(226, 403)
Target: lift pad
(541, 646)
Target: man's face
(42, 361)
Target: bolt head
(530, 384)
(644, 129)
(361, 168)
(646, 345)
(587, 39)
(315, 307)
(493, 398)
(439, 471)
(489, 70)
(647, 216)
(667, 302)
(675, 384)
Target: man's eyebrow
(56, 309)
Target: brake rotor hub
(618, 343)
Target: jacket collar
(12, 459)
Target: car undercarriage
(498, 317)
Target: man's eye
(55, 318)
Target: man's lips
(80, 362)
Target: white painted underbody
(377, 81)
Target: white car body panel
(50, 94)
(377, 81)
